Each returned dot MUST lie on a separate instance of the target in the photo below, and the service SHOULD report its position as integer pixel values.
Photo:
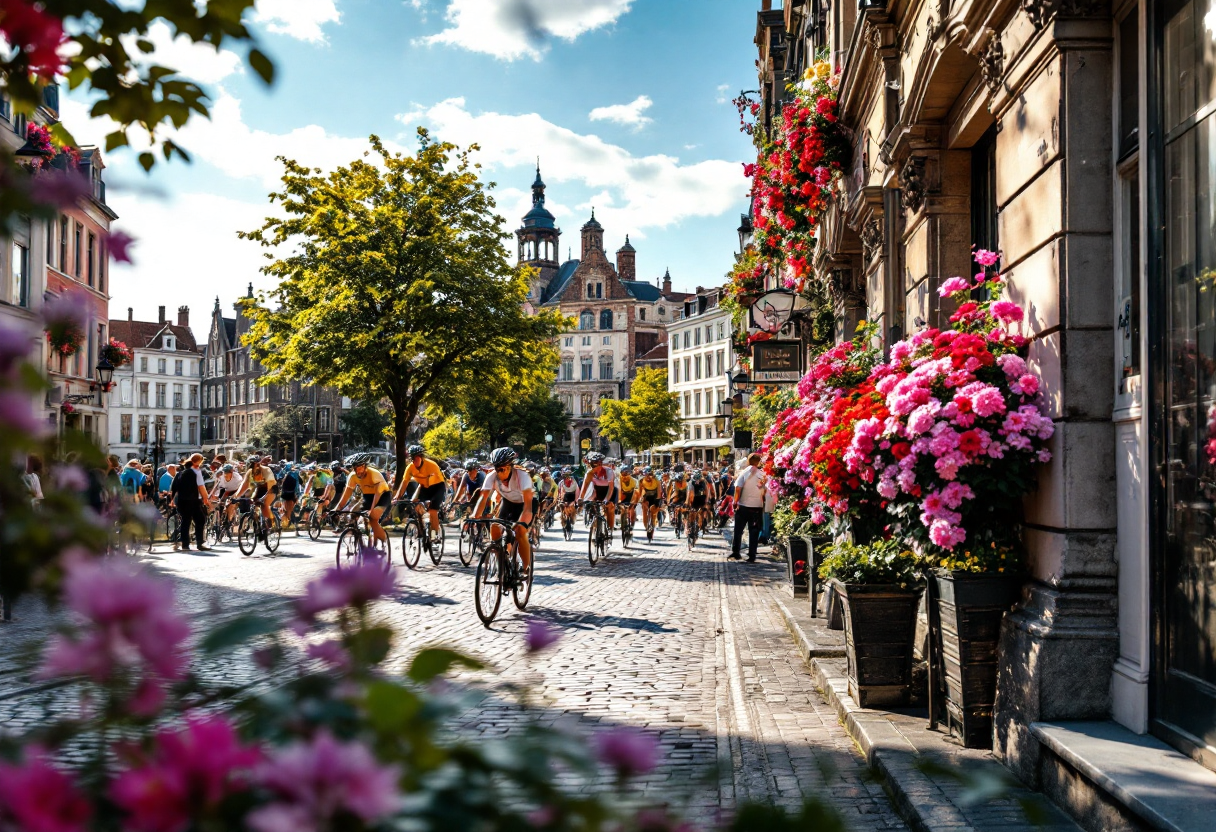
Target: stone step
(1109, 778)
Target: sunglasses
(502, 467)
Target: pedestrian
(132, 479)
(190, 498)
(32, 479)
(165, 484)
(749, 507)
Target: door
(1185, 693)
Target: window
(193, 396)
(177, 430)
(250, 392)
(696, 403)
(63, 244)
(585, 367)
(688, 369)
(983, 192)
(590, 291)
(143, 364)
(92, 256)
(696, 432)
(662, 311)
(567, 369)
(232, 393)
(177, 397)
(586, 340)
(160, 366)
(709, 333)
(177, 368)
(323, 420)
(721, 361)
(697, 337)
(78, 249)
(605, 368)
(599, 290)
(586, 404)
(676, 371)
(143, 430)
(606, 319)
(161, 390)
(50, 236)
(170, 343)
(143, 394)
(206, 398)
(124, 392)
(687, 336)
(568, 342)
(687, 407)
(586, 321)
(193, 432)
(124, 428)
(641, 314)
(721, 330)
(696, 364)
(675, 342)
(19, 290)
(607, 340)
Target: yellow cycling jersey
(426, 475)
(650, 485)
(628, 484)
(372, 481)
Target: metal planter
(879, 630)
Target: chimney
(766, 5)
(667, 282)
(130, 313)
(162, 315)
(183, 316)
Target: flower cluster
(931, 444)
(36, 32)
(117, 353)
(66, 318)
(39, 138)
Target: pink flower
(627, 750)
(17, 414)
(337, 588)
(188, 773)
(1006, 311)
(540, 635)
(38, 34)
(129, 621)
(331, 653)
(37, 797)
(953, 286)
(70, 309)
(946, 535)
(1029, 384)
(120, 243)
(988, 402)
(987, 258)
(314, 781)
(1043, 455)
(59, 189)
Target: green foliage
(283, 425)
(880, 562)
(397, 285)
(451, 438)
(434, 662)
(649, 417)
(524, 418)
(764, 406)
(363, 425)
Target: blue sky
(625, 101)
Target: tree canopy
(451, 438)
(363, 425)
(524, 419)
(649, 417)
(398, 285)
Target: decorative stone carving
(932, 28)
(871, 237)
(844, 288)
(1041, 12)
(874, 37)
(912, 183)
(992, 62)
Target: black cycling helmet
(503, 456)
(595, 458)
(359, 459)
(415, 450)
(471, 465)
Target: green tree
(649, 417)
(282, 427)
(363, 425)
(398, 285)
(523, 419)
(454, 438)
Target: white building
(159, 387)
(699, 359)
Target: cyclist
(547, 489)
(432, 487)
(514, 488)
(698, 497)
(289, 489)
(260, 479)
(648, 491)
(470, 482)
(677, 495)
(567, 490)
(628, 487)
(321, 481)
(227, 484)
(603, 479)
(132, 479)
(377, 496)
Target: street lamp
(104, 373)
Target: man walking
(749, 508)
(190, 497)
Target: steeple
(626, 262)
(593, 235)
(667, 282)
(538, 186)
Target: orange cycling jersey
(426, 475)
(372, 481)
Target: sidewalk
(935, 783)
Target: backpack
(131, 480)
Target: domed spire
(538, 186)
(593, 222)
(628, 246)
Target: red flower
(969, 443)
(900, 450)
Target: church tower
(626, 264)
(593, 237)
(538, 238)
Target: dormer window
(170, 343)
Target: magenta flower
(331, 653)
(356, 586)
(15, 345)
(953, 286)
(1006, 311)
(129, 622)
(120, 246)
(188, 773)
(627, 750)
(987, 258)
(59, 189)
(17, 414)
(314, 781)
(70, 309)
(540, 635)
(37, 797)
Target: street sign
(776, 362)
(585, 444)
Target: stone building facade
(1074, 137)
(700, 361)
(233, 403)
(619, 319)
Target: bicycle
(169, 522)
(568, 525)
(352, 550)
(414, 537)
(677, 521)
(470, 541)
(219, 527)
(500, 570)
(626, 526)
(650, 516)
(253, 527)
(692, 529)
(597, 535)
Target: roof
(142, 334)
(593, 222)
(627, 246)
(558, 284)
(539, 216)
(641, 290)
(658, 353)
(230, 329)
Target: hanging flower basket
(68, 407)
(65, 339)
(117, 353)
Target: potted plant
(878, 586)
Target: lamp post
(157, 450)
(104, 374)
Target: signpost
(776, 362)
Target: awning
(706, 443)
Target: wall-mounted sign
(776, 362)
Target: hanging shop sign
(776, 362)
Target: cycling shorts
(650, 499)
(570, 497)
(601, 493)
(432, 495)
(261, 492)
(698, 502)
(510, 512)
(384, 500)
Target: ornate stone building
(620, 318)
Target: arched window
(586, 320)
(606, 319)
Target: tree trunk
(403, 415)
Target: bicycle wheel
(314, 525)
(522, 590)
(692, 532)
(568, 527)
(411, 544)
(594, 546)
(465, 543)
(173, 526)
(350, 548)
(437, 543)
(626, 531)
(247, 534)
(487, 583)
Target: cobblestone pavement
(685, 644)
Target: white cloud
(513, 29)
(633, 193)
(300, 19)
(722, 97)
(629, 114)
(199, 62)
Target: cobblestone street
(685, 644)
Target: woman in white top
(603, 480)
(514, 488)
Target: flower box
(879, 629)
(965, 622)
(797, 560)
